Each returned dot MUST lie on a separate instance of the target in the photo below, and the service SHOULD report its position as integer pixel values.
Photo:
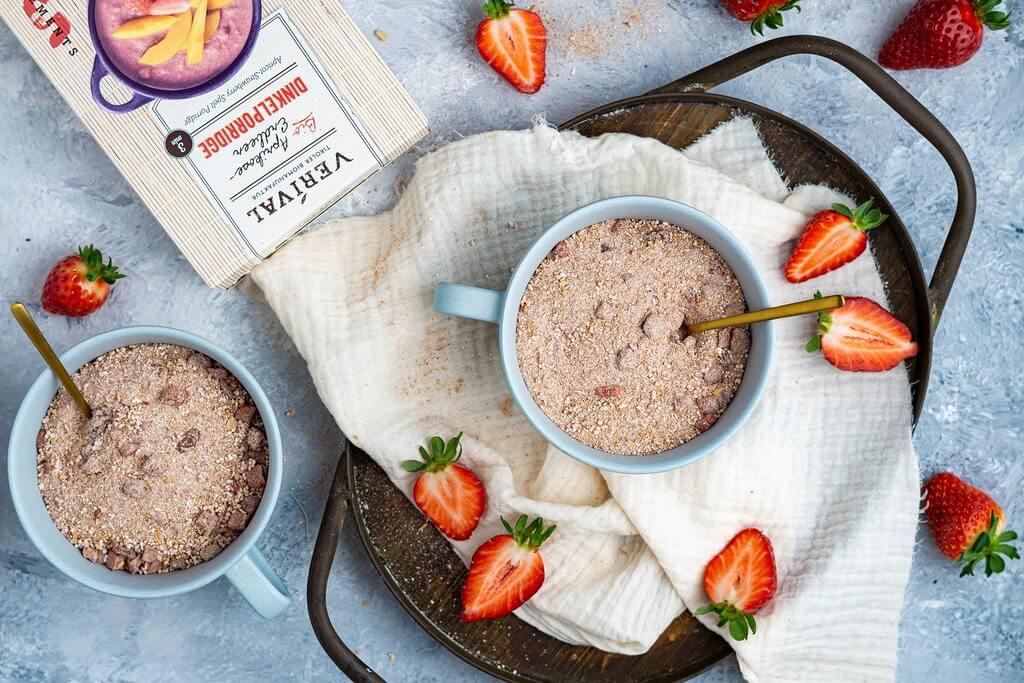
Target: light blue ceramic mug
(240, 562)
(502, 308)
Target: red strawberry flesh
(452, 498)
(861, 336)
(505, 571)
(502, 577)
(513, 41)
(743, 573)
(831, 239)
(449, 494)
(740, 580)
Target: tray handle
(316, 588)
(901, 101)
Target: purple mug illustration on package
(169, 49)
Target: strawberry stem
(772, 17)
(528, 536)
(824, 319)
(987, 14)
(439, 456)
(497, 9)
(740, 623)
(991, 546)
(865, 217)
(95, 269)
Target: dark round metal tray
(404, 548)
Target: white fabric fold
(825, 466)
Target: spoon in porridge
(816, 305)
(35, 335)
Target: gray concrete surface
(59, 190)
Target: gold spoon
(35, 336)
(785, 311)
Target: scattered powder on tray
(169, 469)
(599, 343)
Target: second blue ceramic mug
(502, 308)
(240, 562)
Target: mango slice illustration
(172, 42)
(144, 26)
(212, 22)
(196, 41)
(212, 4)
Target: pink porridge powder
(599, 343)
(168, 471)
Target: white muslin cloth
(825, 466)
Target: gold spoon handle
(35, 336)
(785, 311)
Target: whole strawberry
(938, 34)
(79, 284)
(760, 13)
(967, 524)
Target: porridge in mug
(600, 342)
(169, 469)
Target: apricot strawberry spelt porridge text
(169, 469)
(599, 342)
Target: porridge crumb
(159, 479)
(599, 342)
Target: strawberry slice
(513, 41)
(740, 580)
(450, 495)
(832, 239)
(861, 336)
(505, 571)
(967, 525)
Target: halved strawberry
(505, 571)
(450, 495)
(967, 524)
(832, 239)
(861, 336)
(513, 41)
(740, 580)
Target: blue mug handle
(261, 587)
(98, 72)
(465, 301)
